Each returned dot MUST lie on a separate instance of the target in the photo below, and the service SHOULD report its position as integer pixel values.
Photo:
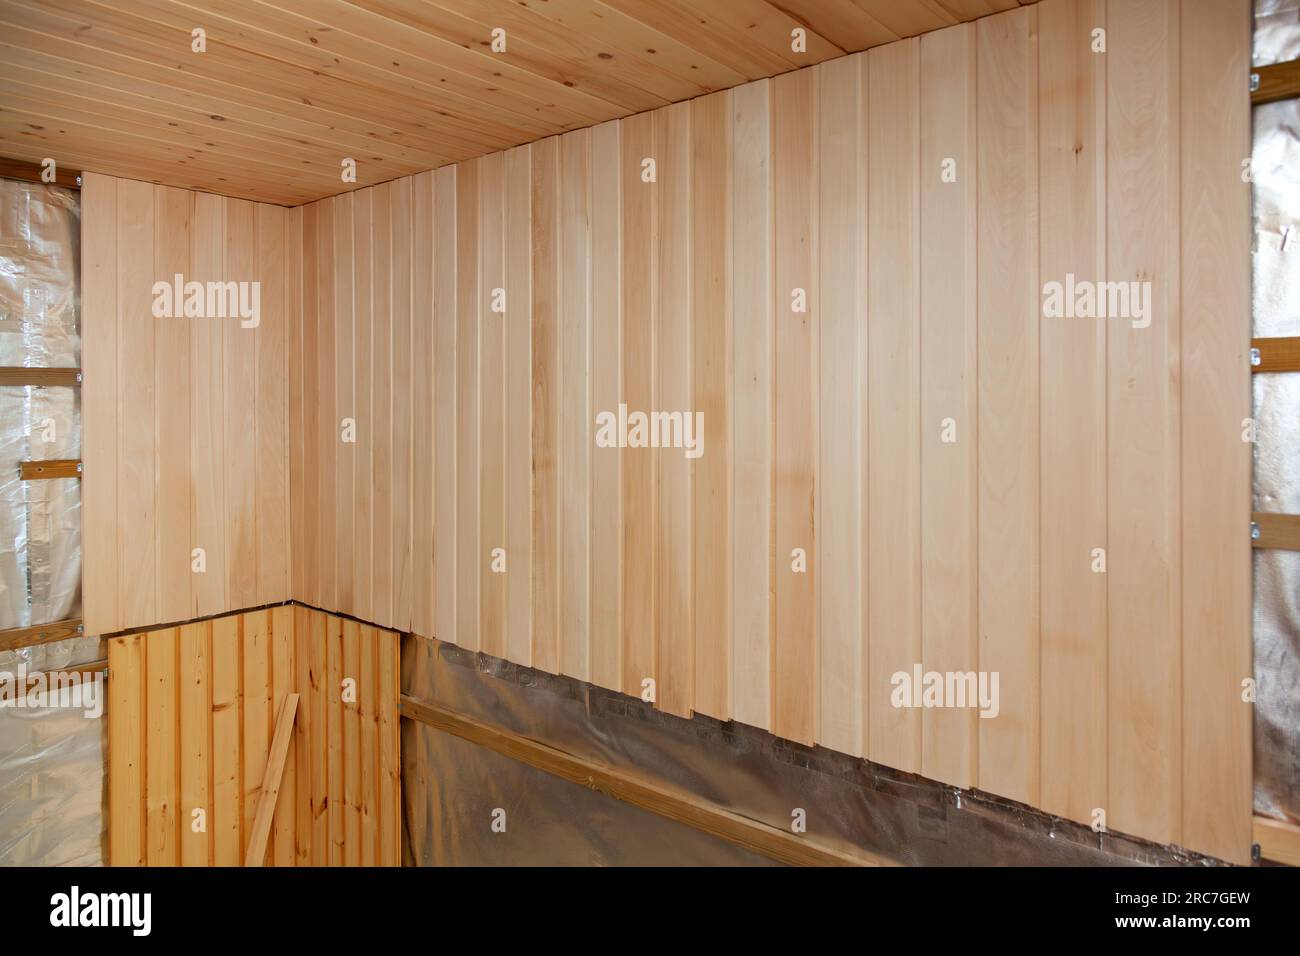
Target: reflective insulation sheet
(40, 521)
(1276, 306)
(52, 779)
(452, 789)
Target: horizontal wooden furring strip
(20, 375)
(1277, 531)
(1278, 81)
(1277, 354)
(1278, 841)
(664, 801)
(31, 172)
(16, 637)
(54, 468)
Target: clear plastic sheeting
(51, 768)
(40, 521)
(1276, 176)
(452, 788)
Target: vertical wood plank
(330, 408)
(162, 750)
(575, 439)
(794, 653)
(1072, 356)
(949, 481)
(1008, 398)
(368, 745)
(345, 396)
(335, 795)
(518, 413)
(207, 460)
(99, 331)
(639, 248)
(322, 636)
(226, 820)
(293, 291)
(194, 668)
(841, 244)
(239, 396)
(363, 505)
(258, 713)
(390, 770)
(1144, 674)
(283, 683)
(385, 514)
(422, 412)
(1216, 783)
(137, 581)
(545, 391)
(271, 338)
(674, 609)
(313, 408)
(352, 744)
(171, 251)
(468, 542)
(711, 397)
(126, 744)
(752, 346)
(491, 397)
(606, 494)
(403, 389)
(304, 732)
(444, 424)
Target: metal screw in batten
(80, 465)
(1255, 359)
(1254, 82)
(1254, 531)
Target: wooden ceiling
(287, 88)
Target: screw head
(1255, 358)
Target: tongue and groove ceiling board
(287, 89)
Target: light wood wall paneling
(949, 427)
(545, 391)
(345, 395)
(605, 576)
(637, 257)
(295, 414)
(752, 344)
(673, 571)
(330, 414)
(795, 183)
(363, 506)
(711, 387)
(468, 357)
(422, 411)
(386, 513)
(575, 437)
(404, 387)
(137, 559)
(207, 450)
(1216, 588)
(171, 253)
(893, 399)
(841, 349)
(492, 383)
(313, 411)
(99, 408)
(518, 408)
(271, 339)
(1144, 686)
(239, 384)
(1072, 240)
(444, 397)
(1008, 303)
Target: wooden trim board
(1278, 841)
